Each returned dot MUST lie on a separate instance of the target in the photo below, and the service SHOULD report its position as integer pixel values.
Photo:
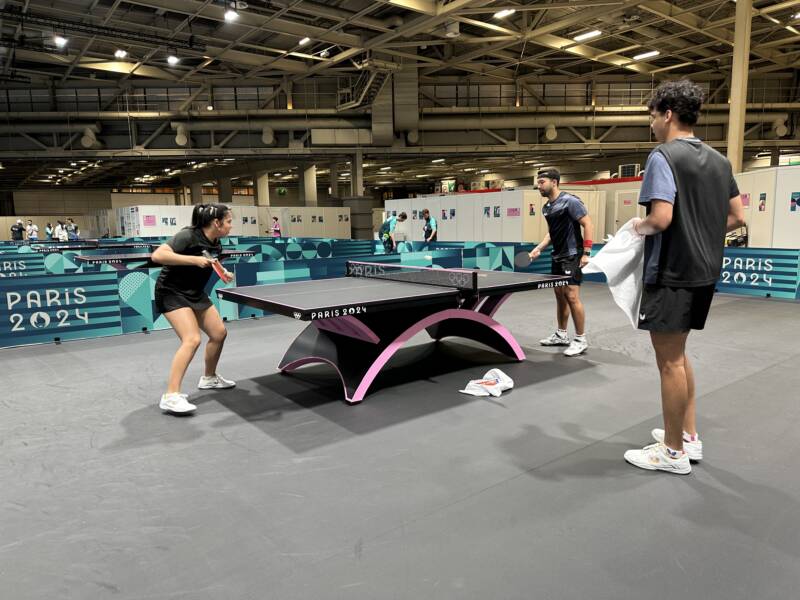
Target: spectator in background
(17, 231)
(276, 228)
(60, 232)
(73, 233)
(32, 230)
(48, 231)
(386, 232)
(430, 228)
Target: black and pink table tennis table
(358, 322)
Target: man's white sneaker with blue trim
(656, 457)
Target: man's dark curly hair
(682, 97)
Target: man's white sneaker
(555, 339)
(576, 347)
(176, 403)
(215, 382)
(693, 449)
(656, 458)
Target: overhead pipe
(267, 127)
(457, 123)
(588, 109)
(51, 128)
(275, 124)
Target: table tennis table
(358, 322)
(122, 260)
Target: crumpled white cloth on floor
(494, 383)
(622, 261)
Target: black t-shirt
(188, 281)
(16, 231)
(689, 252)
(562, 216)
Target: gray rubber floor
(277, 489)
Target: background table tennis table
(122, 260)
(358, 322)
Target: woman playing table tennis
(180, 296)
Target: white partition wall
(786, 226)
(305, 221)
(245, 220)
(465, 220)
(491, 219)
(772, 206)
(447, 216)
(511, 216)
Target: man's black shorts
(569, 265)
(673, 309)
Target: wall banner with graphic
(52, 308)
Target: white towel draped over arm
(622, 262)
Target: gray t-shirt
(658, 184)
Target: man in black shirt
(17, 229)
(692, 200)
(565, 215)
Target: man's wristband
(587, 247)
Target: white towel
(494, 383)
(622, 262)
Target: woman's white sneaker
(655, 457)
(693, 448)
(176, 403)
(215, 382)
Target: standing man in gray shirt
(692, 200)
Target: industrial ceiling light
(210, 107)
(587, 36)
(173, 60)
(452, 30)
(304, 41)
(231, 15)
(645, 55)
(60, 41)
(120, 54)
(437, 160)
(502, 14)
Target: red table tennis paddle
(217, 266)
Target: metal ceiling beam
(717, 29)
(580, 16)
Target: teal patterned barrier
(50, 297)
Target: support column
(225, 188)
(196, 189)
(310, 185)
(738, 101)
(334, 175)
(261, 185)
(357, 174)
(775, 157)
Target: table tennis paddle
(522, 260)
(217, 266)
